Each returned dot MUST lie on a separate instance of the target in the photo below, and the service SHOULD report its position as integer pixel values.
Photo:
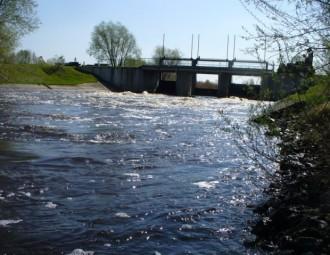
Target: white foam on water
(186, 226)
(107, 244)
(224, 230)
(206, 184)
(136, 175)
(28, 194)
(122, 215)
(11, 194)
(5, 223)
(51, 205)
(81, 252)
(133, 177)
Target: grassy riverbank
(42, 74)
(296, 218)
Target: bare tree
(113, 43)
(289, 27)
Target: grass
(42, 74)
(312, 107)
(315, 95)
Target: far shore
(83, 86)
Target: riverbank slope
(296, 218)
(42, 74)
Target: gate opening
(206, 85)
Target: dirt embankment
(296, 218)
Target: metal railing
(198, 62)
(207, 62)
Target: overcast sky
(66, 26)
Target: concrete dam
(150, 77)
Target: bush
(51, 69)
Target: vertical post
(227, 46)
(234, 49)
(164, 45)
(265, 49)
(198, 46)
(192, 45)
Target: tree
(56, 60)
(113, 43)
(25, 57)
(173, 54)
(8, 42)
(17, 18)
(290, 33)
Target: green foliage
(52, 69)
(159, 53)
(113, 43)
(315, 95)
(266, 120)
(19, 15)
(8, 42)
(134, 62)
(25, 57)
(56, 60)
(17, 18)
(43, 74)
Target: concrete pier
(184, 84)
(224, 82)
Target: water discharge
(96, 172)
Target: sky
(66, 26)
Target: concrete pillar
(150, 81)
(267, 89)
(224, 82)
(184, 82)
(194, 82)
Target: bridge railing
(251, 65)
(213, 63)
(207, 62)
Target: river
(123, 173)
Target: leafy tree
(136, 62)
(290, 33)
(113, 43)
(25, 57)
(17, 18)
(173, 54)
(59, 60)
(7, 43)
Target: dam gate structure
(149, 77)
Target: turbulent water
(91, 171)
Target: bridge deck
(207, 70)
